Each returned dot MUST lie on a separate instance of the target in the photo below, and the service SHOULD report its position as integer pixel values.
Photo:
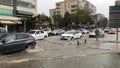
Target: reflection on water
(96, 61)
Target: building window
(7, 2)
(20, 3)
(6, 12)
(25, 4)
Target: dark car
(14, 42)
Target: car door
(38, 35)
(42, 34)
(75, 35)
(10, 44)
(78, 34)
(22, 40)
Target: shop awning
(9, 22)
(8, 18)
(20, 13)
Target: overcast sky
(101, 5)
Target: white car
(84, 31)
(101, 33)
(57, 32)
(69, 35)
(38, 34)
(106, 29)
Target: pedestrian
(96, 34)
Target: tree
(43, 18)
(57, 20)
(31, 21)
(82, 16)
(103, 22)
(67, 19)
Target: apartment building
(52, 12)
(99, 16)
(72, 5)
(89, 6)
(6, 12)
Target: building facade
(72, 5)
(52, 12)
(99, 16)
(6, 12)
(89, 6)
(114, 15)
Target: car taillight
(34, 39)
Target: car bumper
(92, 36)
(51, 34)
(65, 38)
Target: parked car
(111, 31)
(14, 42)
(57, 32)
(69, 35)
(48, 30)
(84, 31)
(38, 34)
(106, 29)
(101, 33)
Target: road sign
(114, 17)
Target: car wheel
(87, 32)
(30, 46)
(56, 33)
(45, 36)
(80, 37)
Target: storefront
(7, 20)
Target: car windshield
(55, 30)
(31, 32)
(95, 29)
(69, 32)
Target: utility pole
(14, 7)
(15, 13)
(117, 18)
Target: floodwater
(93, 61)
(45, 55)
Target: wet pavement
(54, 53)
(94, 61)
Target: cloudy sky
(101, 5)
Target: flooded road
(94, 61)
(67, 54)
